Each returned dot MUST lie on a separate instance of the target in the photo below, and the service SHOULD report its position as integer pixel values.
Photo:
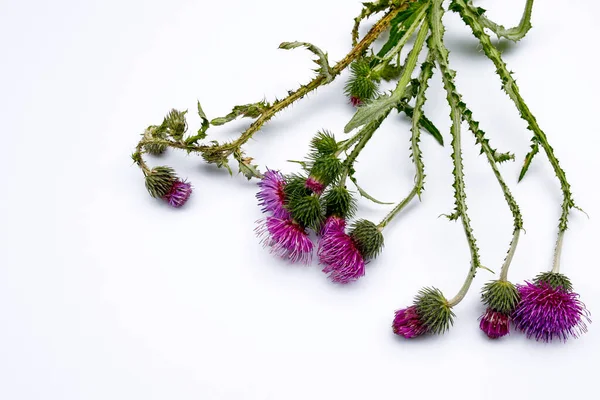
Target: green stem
(436, 44)
(509, 256)
(426, 73)
(510, 87)
(557, 252)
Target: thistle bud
(307, 211)
(326, 169)
(323, 144)
(160, 180)
(363, 83)
(368, 238)
(175, 124)
(339, 202)
(154, 132)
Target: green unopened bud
(434, 311)
(500, 296)
(308, 211)
(154, 132)
(160, 180)
(295, 187)
(555, 280)
(175, 124)
(323, 144)
(363, 83)
(339, 202)
(326, 169)
(367, 237)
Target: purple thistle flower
(495, 324)
(286, 238)
(314, 185)
(271, 196)
(337, 251)
(546, 313)
(333, 224)
(408, 324)
(178, 194)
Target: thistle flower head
(363, 83)
(367, 238)
(286, 238)
(434, 311)
(323, 143)
(495, 324)
(160, 180)
(175, 124)
(407, 323)
(271, 195)
(546, 312)
(333, 224)
(337, 251)
(178, 194)
(339, 202)
(326, 169)
(501, 296)
(154, 132)
(307, 211)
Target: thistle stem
(426, 73)
(557, 252)
(509, 85)
(436, 44)
(509, 256)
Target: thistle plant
(319, 199)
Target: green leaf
(424, 123)
(516, 33)
(403, 23)
(364, 194)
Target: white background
(106, 293)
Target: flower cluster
(314, 209)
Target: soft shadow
(470, 46)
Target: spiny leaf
(516, 33)
(324, 69)
(535, 148)
(253, 110)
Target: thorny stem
(510, 200)
(229, 148)
(436, 44)
(426, 73)
(510, 87)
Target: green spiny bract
(323, 144)
(154, 132)
(307, 211)
(367, 237)
(555, 280)
(339, 202)
(160, 180)
(175, 124)
(500, 296)
(295, 188)
(434, 311)
(326, 169)
(363, 83)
